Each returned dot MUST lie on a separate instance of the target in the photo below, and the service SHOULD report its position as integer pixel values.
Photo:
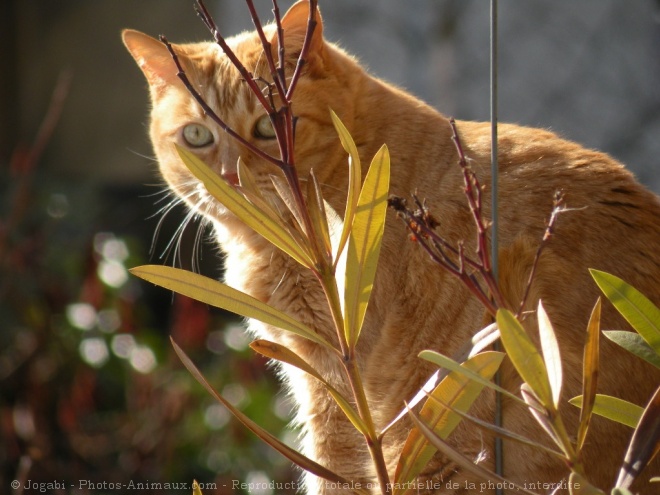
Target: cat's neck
(416, 134)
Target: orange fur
(615, 227)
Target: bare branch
(302, 59)
(206, 17)
(557, 208)
(209, 111)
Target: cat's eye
(263, 129)
(197, 135)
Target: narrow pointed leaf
(291, 454)
(284, 192)
(316, 207)
(579, 485)
(451, 365)
(634, 343)
(294, 231)
(455, 390)
(618, 410)
(364, 243)
(524, 356)
(590, 366)
(644, 445)
(196, 489)
(459, 459)
(551, 356)
(354, 179)
(636, 308)
(502, 432)
(541, 417)
(484, 338)
(217, 294)
(275, 351)
(246, 179)
(248, 213)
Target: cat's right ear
(153, 58)
(294, 24)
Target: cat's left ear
(294, 24)
(153, 58)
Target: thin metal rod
(499, 451)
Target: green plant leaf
(246, 179)
(551, 356)
(451, 365)
(284, 192)
(316, 207)
(248, 213)
(291, 454)
(644, 445)
(459, 459)
(364, 244)
(579, 485)
(524, 356)
(590, 366)
(636, 308)
(273, 350)
(503, 432)
(635, 344)
(455, 390)
(541, 415)
(618, 410)
(354, 179)
(621, 491)
(217, 294)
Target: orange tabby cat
(415, 305)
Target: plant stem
(349, 361)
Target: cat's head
(177, 118)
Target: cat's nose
(229, 168)
(231, 178)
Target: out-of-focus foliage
(90, 389)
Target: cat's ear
(294, 24)
(153, 58)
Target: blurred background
(89, 387)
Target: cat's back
(604, 202)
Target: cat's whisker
(163, 212)
(146, 157)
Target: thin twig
(203, 12)
(557, 208)
(181, 74)
(421, 224)
(302, 59)
(473, 193)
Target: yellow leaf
(291, 454)
(273, 350)
(455, 390)
(316, 206)
(251, 215)
(524, 356)
(641, 313)
(451, 365)
(613, 408)
(364, 244)
(579, 485)
(590, 365)
(196, 489)
(217, 294)
(354, 179)
(551, 356)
